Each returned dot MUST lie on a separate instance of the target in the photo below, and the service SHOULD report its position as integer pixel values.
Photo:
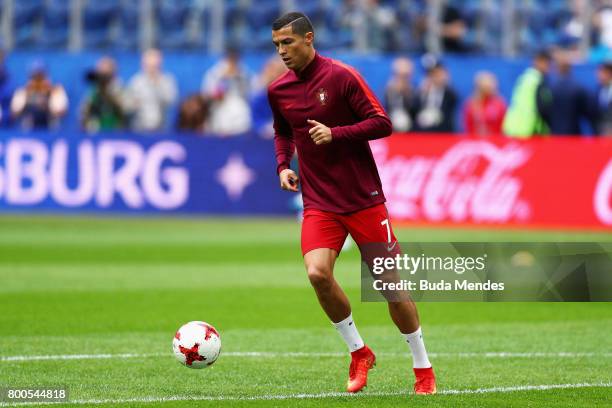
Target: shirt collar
(307, 72)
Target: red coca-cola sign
(556, 182)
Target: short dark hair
(543, 54)
(300, 23)
(606, 65)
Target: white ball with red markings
(196, 344)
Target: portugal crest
(322, 96)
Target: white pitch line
(273, 354)
(543, 387)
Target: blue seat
(235, 22)
(408, 16)
(234, 14)
(204, 17)
(171, 18)
(98, 17)
(390, 3)
(472, 13)
(341, 40)
(262, 15)
(315, 10)
(128, 20)
(492, 20)
(261, 40)
(55, 24)
(26, 22)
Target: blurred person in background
(103, 108)
(39, 104)
(454, 29)
(484, 112)
(377, 23)
(574, 29)
(570, 99)
(399, 94)
(602, 22)
(227, 84)
(436, 101)
(381, 24)
(260, 108)
(531, 99)
(193, 114)
(601, 102)
(150, 93)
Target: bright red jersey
(484, 117)
(340, 176)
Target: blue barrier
(125, 173)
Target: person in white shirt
(150, 93)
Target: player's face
(604, 76)
(542, 65)
(293, 48)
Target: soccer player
(325, 109)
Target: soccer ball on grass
(196, 344)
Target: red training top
(340, 176)
(484, 117)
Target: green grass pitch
(113, 291)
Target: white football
(196, 344)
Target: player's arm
(374, 122)
(284, 147)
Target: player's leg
(322, 239)
(372, 226)
(320, 268)
(405, 316)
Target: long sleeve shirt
(340, 176)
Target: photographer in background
(102, 109)
(39, 104)
(227, 84)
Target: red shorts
(322, 229)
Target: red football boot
(362, 360)
(425, 381)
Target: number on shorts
(385, 222)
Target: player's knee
(320, 277)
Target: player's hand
(289, 180)
(319, 133)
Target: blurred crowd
(476, 26)
(546, 99)
(495, 27)
(231, 101)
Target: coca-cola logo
(471, 181)
(602, 199)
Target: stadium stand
(366, 33)
(187, 23)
